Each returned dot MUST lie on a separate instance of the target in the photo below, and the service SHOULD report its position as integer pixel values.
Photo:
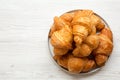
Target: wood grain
(24, 26)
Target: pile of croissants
(81, 41)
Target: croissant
(81, 41)
(81, 24)
(63, 60)
(62, 38)
(105, 38)
(82, 51)
(86, 48)
(80, 33)
(83, 13)
(100, 26)
(74, 64)
(92, 41)
(101, 59)
(108, 33)
(102, 52)
(96, 21)
(60, 22)
(67, 17)
(60, 51)
(90, 64)
(77, 65)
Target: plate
(50, 47)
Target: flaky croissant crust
(81, 41)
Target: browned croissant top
(81, 41)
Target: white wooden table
(24, 26)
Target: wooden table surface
(24, 26)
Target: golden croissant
(60, 51)
(60, 22)
(67, 17)
(77, 65)
(62, 39)
(81, 41)
(87, 47)
(74, 64)
(105, 46)
(63, 60)
(57, 25)
(96, 21)
(84, 23)
(81, 24)
(89, 65)
(82, 51)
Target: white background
(24, 26)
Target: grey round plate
(52, 54)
